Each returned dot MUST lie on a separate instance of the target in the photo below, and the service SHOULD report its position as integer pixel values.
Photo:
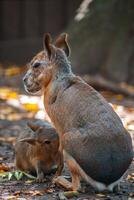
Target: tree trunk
(103, 41)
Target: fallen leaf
(16, 193)
(100, 195)
(70, 194)
(29, 175)
(130, 127)
(49, 190)
(6, 93)
(18, 175)
(9, 197)
(130, 177)
(7, 139)
(119, 97)
(29, 181)
(4, 168)
(3, 174)
(34, 193)
(31, 107)
(10, 175)
(37, 192)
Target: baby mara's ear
(33, 126)
(31, 141)
(47, 43)
(62, 42)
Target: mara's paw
(114, 188)
(100, 187)
(40, 178)
(60, 180)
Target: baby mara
(95, 145)
(36, 149)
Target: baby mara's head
(44, 139)
(42, 66)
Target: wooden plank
(10, 19)
(31, 19)
(1, 21)
(54, 16)
(21, 51)
(22, 19)
(42, 18)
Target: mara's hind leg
(72, 165)
(114, 187)
(78, 174)
(60, 161)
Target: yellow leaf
(31, 107)
(4, 168)
(1, 171)
(119, 97)
(13, 71)
(6, 93)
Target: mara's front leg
(40, 174)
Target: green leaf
(18, 175)
(4, 174)
(10, 175)
(29, 175)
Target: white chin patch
(38, 93)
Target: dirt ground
(16, 108)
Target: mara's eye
(47, 141)
(36, 64)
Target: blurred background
(101, 36)
(24, 22)
(101, 33)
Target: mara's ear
(33, 126)
(47, 43)
(31, 141)
(62, 42)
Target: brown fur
(96, 146)
(37, 150)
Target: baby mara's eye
(36, 64)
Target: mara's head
(42, 67)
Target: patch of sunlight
(82, 10)
(15, 106)
(11, 70)
(7, 93)
(126, 114)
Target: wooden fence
(23, 23)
